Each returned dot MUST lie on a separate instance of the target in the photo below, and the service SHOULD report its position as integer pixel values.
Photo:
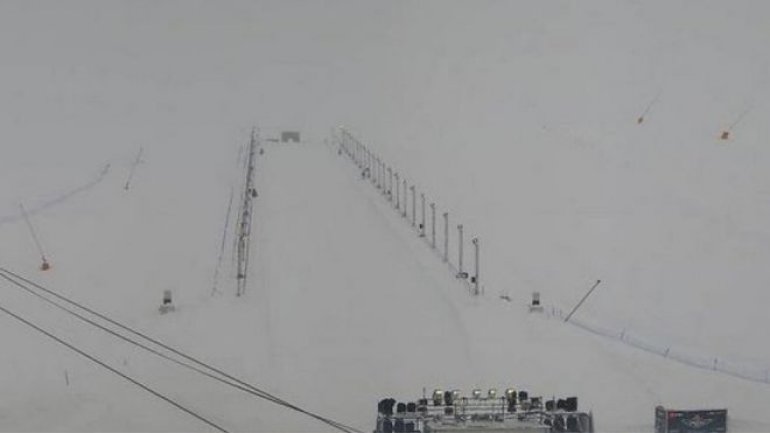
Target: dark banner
(690, 421)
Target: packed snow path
(350, 310)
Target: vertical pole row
(382, 177)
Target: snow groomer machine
(512, 412)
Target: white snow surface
(517, 117)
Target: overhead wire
(232, 381)
(112, 369)
(243, 386)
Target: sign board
(690, 421)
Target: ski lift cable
(245, 387)
(112, 369)
(242, 386)
(232, 381)
(129, 340)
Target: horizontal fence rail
(742, 370)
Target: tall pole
(405, 199)
(383, 177)
(44, 264)
(446, 236)
(582, 300)
(414, 206)
(422, 225)
(390, 184)
(398, 193)
(433, 225)
(460, 250)
(373, 170)
(476, 277)
(136, 162)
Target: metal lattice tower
(244, 226)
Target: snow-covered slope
(523, 122)
(345, 306)
(517, 117)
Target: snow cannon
(534, 306)
(167, 304)
(438, 397)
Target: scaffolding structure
(244, 226)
